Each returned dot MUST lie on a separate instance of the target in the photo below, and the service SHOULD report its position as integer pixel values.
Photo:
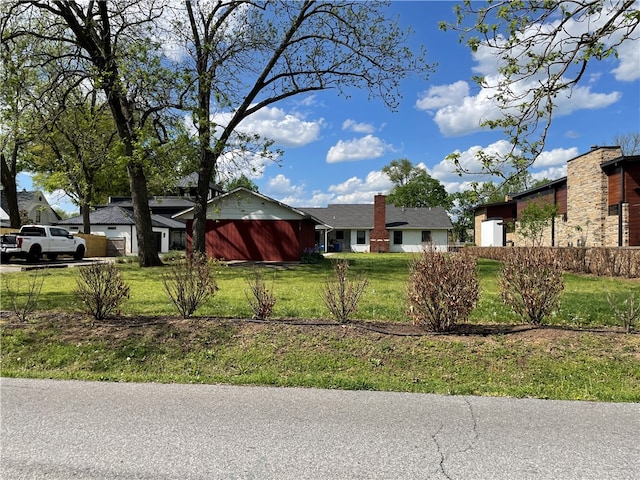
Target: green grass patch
(572, 358)
(541, 362)
(298, 292)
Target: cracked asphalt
(88, 430)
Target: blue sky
(335, 148)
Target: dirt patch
(79, 327)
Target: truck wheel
(79, 253)
(35, 254)
(5, 258)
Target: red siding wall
(506, 212)
(561, 199)
(266, 240)
(541, 199)
(632, 193)
(614, 180)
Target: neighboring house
(116, 222)
(380, 227)
(187, 186)
(598, 205)
(177, 200)
(33, 207)
(160, 207)
(246, 225)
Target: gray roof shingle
(115, 215)
(360, 216)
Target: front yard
(581, 354)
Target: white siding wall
(245, 207)
(412, 241)
(354, 242)
(128, 232)
(120, 231)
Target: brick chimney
(379, 237)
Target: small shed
(249, 226)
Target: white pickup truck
(34, 241)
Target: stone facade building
(598, 204)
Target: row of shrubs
(442, 289)
(600, 261)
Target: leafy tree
(544, 49)
(19, 85)
(462, 210)
(533, 219)
(114, 46)
(241, 181)
(414, 187)
(74, 148)
(248, 56)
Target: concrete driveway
(20, 265)
(87, 430)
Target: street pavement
(90, 430)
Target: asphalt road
(85, 430)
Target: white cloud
(352, 190)
(553, 164)
(281, 185)
(365, 148)
(445, 170)
(290, 130)
(557, 156)
(354, 126)
(455, 120)
(443, 96)
(552, 173)
(238, 162)
(458, 113)
(573, 134)
(628, 70)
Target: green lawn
(298, 291)
(147, 342)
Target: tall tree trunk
(147, 251)
(8, 177)
(198, 238)
(125, 124)
(85, 209)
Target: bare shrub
(341, 295)
(443, 289)
(101, 289)
(22, 292)
(189, 283)
(626, 312)
(531, 282)
(260, 296)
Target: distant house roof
(188, 213)
(360, 216)
(179, 203)
(541, 188)
(116, 215)
(191, 181)
(26, 200)
(620, 161)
